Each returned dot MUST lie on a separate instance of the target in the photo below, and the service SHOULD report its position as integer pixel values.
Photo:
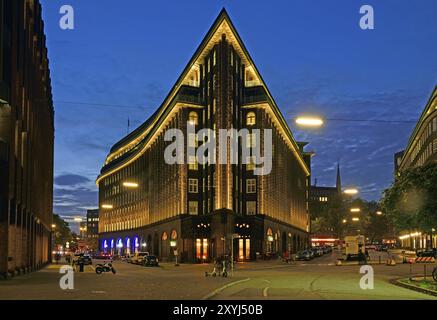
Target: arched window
(193, 118)
(250, 119)
(164, 236)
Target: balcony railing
(255, 95)
(189, 94)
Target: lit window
(192, 185)
(192, 140)
(250, 164)
(251, 185)
(251, 140)
(192, 207)
(192, 163)
(193, 118)
(250, 207)
(250, 119)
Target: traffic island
(419, 284)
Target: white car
(138, 257)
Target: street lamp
(350, 191)
(379, 213)
(309, 121)
(355, 219)
(107, 206)
(355, 209)
(344, 220)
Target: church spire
(338, 184)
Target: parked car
(82, 258)
(318, 251)
(304, 255)
(138, 257)
(370, 247)
(381, 247)
(150, 261)
(427, 253)
(102, 256)
(327, 249)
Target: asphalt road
(316, 279)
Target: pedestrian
(57, 257)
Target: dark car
(427, 253)
(150, 261)
(82, 258)
(304, 255)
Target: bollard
(81, 267)
(424, 272)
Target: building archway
(149, 243)
(155, 248)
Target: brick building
(26, 139)
(205, 210)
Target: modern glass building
(202, 211)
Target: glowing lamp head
(351, 191)
(309, 121)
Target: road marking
(98, 291)
(265, 292)
(215, 292)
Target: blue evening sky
(312, 55)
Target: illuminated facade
(422, 146)
(26, 139)
(421, 150)
(196, 210)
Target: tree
(327, 217)
(62, 232)
(411, 202)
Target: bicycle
(434, 274)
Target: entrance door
(201, 250)
(244, 249)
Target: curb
(411, 287)
(215, 292)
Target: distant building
(26, 139)
(82, 230)
(92, 224)
(320, 198)
(421, 150)
(205, 210)
(324, 195)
